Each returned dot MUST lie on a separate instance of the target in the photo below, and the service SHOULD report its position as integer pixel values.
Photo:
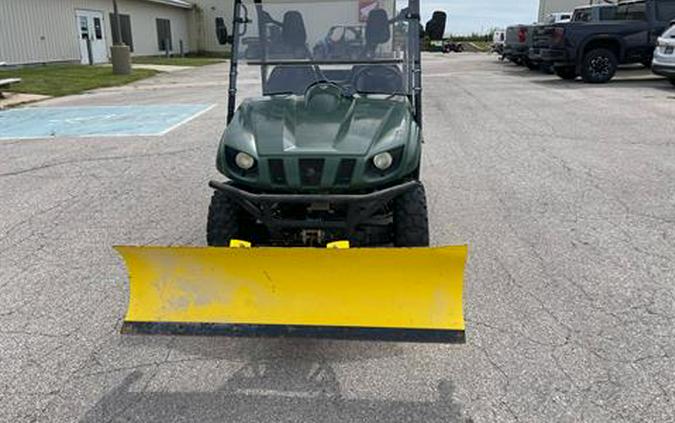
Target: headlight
(244, 161)
(383, 161)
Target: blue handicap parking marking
(45, 122)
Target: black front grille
(311, 171)
(345, 172)
(277, 171)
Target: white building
(43, 31)
(40, 31)
(555, 6)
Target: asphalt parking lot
(564, 191)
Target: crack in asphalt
(100, 159)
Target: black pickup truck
(541, 34)
(594, 50)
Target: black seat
(294, 32)
(379, 79)
(294, 36)
(378, 30)
(290, 80)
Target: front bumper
(664, 70)
(360, 207)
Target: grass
(177, 61)
(60, 80)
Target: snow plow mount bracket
(360, 207)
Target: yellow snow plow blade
(408, 295)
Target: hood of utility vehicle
(288, 125)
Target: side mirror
(436, 26)
(221, 32)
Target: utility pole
(118, 25)
(120, 54)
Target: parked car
(452, 47)
(664, 55)
(542, 33)
(342, 42)
(498, 39)
(594, 50)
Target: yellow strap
(235, 243)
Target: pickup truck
(519, 40)
(594, 50)
(516, 44)
(542, 33)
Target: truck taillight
(558, 35)
(522, 35)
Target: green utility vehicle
(329, 148)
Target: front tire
(223, 222)
(411, 219)
(599, 66)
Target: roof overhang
(175, 3)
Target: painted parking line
(105, 121)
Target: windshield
(360, 45)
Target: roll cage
(291, 31)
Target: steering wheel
(378, 79)
(324, 97)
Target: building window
(164, 34)
(98, 31)
(125, 23)
(84, 28)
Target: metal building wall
(34, 31)
(41, 31)
(203, 24)
(143, 17)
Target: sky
(467, 16)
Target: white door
(91, 31)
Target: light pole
(120, 54)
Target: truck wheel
(567, 73)
(223, 221)
(672, 81)
(411, 219)
(599, 66)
